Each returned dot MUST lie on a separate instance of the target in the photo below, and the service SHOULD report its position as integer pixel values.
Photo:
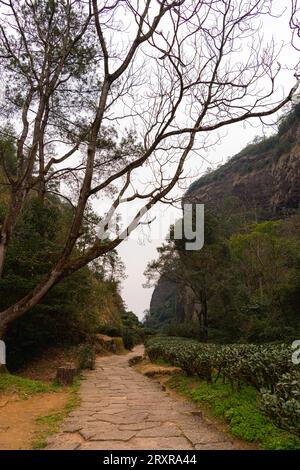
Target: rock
(104, 343)
(135, 360)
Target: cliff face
(170, 302)
(165, 304)
(263, 178)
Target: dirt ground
(18, 417)
(151, 370)
(18, 426)
(45, 366)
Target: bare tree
(100, 90)
(295, 24)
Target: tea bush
(268, 368)
(283, 405)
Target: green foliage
(86, 357)
(133, 332)
(22, 386)
(130, 329)
(283, 405)
(257, 365)
(8, 159)
(109, 330)
(288, 120)
(267, 368)
(72, 310)
(260, 146)
(130, 338)
(248, 277)
(240, 408)
(185, 329)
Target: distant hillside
(264, 176)
(262, 182)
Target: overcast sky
(141, 248)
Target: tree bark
(65, 375)
(3, 369)
(203, 317)
(18, 197)
(2, 255)
(3, 329)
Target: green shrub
(268, 368)
(130, 339)
(86, 357)
(283, 405)
(187, 329)
(109, 330)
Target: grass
(24, 387)
(50, 424)
(240, 409)
(162, 362)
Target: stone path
(122, 409)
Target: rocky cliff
(263, 178)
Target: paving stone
(123, 410)
(64, 442)
(72, 427)
(131, 418)
(81, 414)
(116, 435)
(198, 436)
(216, 446)
(166, 443)
(64, 446)
(105, 445)
(166, 430)
(138, 426)
(98, 428)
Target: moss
(240, 409)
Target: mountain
(263, 179)
(264, 176)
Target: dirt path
(18, 418)
(121, 409)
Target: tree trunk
(3, 329)
(2, 253)
(203, 317)
(15, 206)
(3, 369)
(65, 375)
(22, 306)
